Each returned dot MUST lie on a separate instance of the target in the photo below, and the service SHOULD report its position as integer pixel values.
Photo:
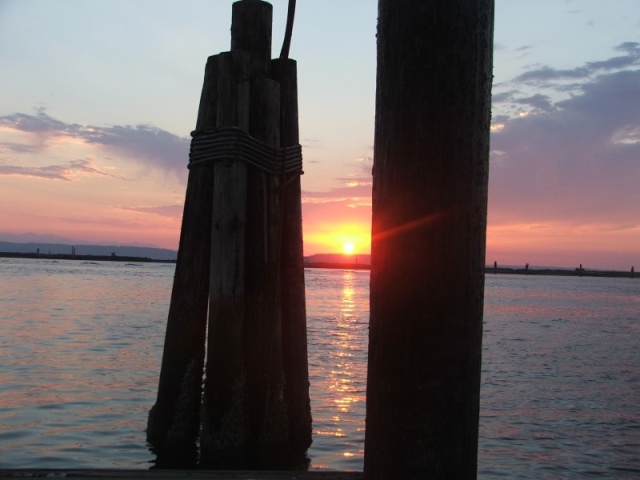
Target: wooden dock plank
(177, 474)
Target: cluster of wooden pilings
(239, 279)
(238, 296)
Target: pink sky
(94, 134)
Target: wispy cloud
(170, 211)
(539, 89)
(144, 145)
(39, 123)
(539, 102)
(66, 172)
(354, 190)
(358, 193)
(629, 59)
(147, 145)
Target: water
(81, 344)
(561, 378)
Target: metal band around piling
(232, 143)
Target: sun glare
(347, 239)
(348, 248)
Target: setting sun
(330, 236)
(348, 248)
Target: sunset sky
(99, 98)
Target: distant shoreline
(92, 258)
(489, 270)
(338, 266)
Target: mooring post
(294, 317)
(246, 420)
(241, 232)
(223, 415)
(174, 420)
(428, 238)
(263, 334)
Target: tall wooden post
(174, 421)
(255, 407)
(428, 238)
(294, 318)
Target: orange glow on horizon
(349, 239)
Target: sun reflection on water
(338, 316)
(80, 347)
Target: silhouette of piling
(174, 420)
(294, 324)
(255, 407)
(430, 175)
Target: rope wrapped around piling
(232, 143)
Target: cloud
(630, 59)
(170, 211)
(19, 148)
(545, 74)
(576, 160)
(144, 145)
(67, 172)
(311, 143)
(541, 88)
(354, 190)
(147, 145)
(539, 102)
(356, 194)
(39, 123)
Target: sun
(348, 248)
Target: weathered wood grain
(294, 316)
(431, 161)
(174, 421)
(240, 261)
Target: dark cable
(286, 44)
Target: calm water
(81, 344)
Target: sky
(99, 98)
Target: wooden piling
(239, 213)
(251, 29)
(246, 418)
(294, 317)
(174, 422)
(263, 335)
(428, 238)
(223, 426)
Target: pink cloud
(67, 172)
